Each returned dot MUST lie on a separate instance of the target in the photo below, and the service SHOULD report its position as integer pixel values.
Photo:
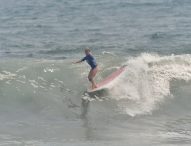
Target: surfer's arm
(83, 59)
(78, 62)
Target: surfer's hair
(87, 50)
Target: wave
(50, 87)
(39, 87)
(146, 82)
(145, 3)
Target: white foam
(146, 82)
(7, 75)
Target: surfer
(92, 62)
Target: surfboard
(103, 86)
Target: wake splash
(146, 81)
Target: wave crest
(146, 81)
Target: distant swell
(59, 51)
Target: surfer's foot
(94, 86)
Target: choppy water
(41, 91)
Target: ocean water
(41, 91)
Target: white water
(146, 81)
(42, 99)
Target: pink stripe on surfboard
(110, 77)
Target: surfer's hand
(77, 62)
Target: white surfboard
(104, 84)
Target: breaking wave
(147, 80)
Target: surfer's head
(87, 51)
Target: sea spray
(146, 81)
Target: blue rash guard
(90, 60)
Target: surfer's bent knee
(90, 79)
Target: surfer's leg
(91, 75)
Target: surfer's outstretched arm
(83, 59)
(77, 62)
